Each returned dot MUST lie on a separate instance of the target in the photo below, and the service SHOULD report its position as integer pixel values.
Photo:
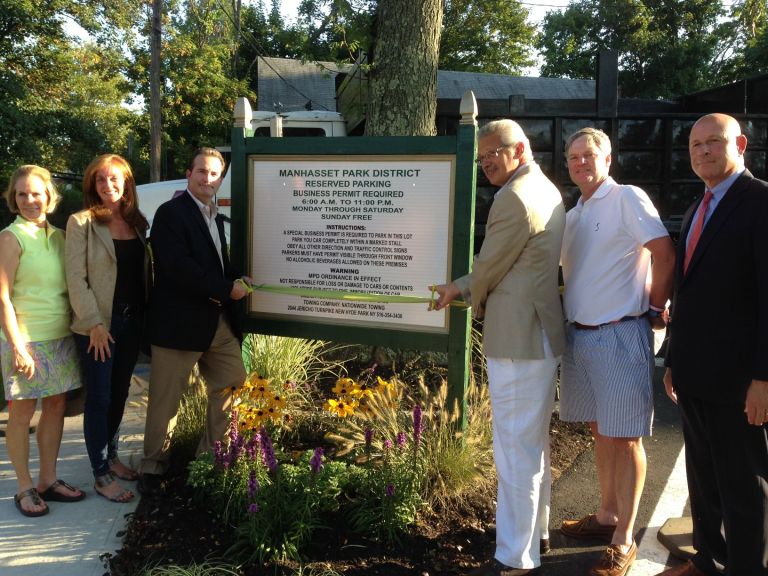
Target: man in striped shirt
(617, 262)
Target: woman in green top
(37, 351)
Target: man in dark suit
(192, 318)
(717, 362)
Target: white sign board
(371, 224)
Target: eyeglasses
(491, 155)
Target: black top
(129, 288)
(190, 291)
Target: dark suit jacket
(719, 329)
(190, 289)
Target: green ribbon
(350, 296)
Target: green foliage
(190, 421)
(665, 48)
(292, 365)
(209, 568)
(281, 359)
(388, 490)
(62, 100)
(276, 509)
(459, 464)
(486, 36)
(390, 464)
(744, 36)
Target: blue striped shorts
(606, 377)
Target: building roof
(285, 85)
(498, 86)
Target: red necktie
(697, 228)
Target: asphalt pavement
(576, 494)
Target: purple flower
(218, 453)
(253, 484)
(418, 426)
(316, 462)
(390, 490)
(253, 508)
(401, 439)
(236, 448)
(387, 444)
(234, 434)
(252, 446)
(290, 384)
(267, 451)
(368, 437)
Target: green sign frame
(462, 147)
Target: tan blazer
(514, 278)
(91, 266)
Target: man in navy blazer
(717, 361)
(192, 314)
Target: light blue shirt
(718, 193)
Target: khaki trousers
(221, 366)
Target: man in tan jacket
(514, 286)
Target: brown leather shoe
(614, 562)
(687, 569)
(588, 528)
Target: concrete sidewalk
(72, 539)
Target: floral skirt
(57, 369)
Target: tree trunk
(156, 123)
(403, 79)
(236, 10)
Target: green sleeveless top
(39, 292)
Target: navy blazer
(190, 289)
(719, 330)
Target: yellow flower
(277, 401)
(260, 389)
(365, 391)
(383, 385)
(273, 412)
(229, 390)
(346, 387)
(256, 417)
(341, 407)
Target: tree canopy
(486, 36)
(62, 102)
(665, 48)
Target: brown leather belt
(579, 326)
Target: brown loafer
(687, 569)
(588, 528)
(614, 562)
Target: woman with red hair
(107, 268)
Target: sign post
(315, 218)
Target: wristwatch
(651, 313)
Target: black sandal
(35, 497)
(50, 494)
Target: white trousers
(522, 398)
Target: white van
(300, 123)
